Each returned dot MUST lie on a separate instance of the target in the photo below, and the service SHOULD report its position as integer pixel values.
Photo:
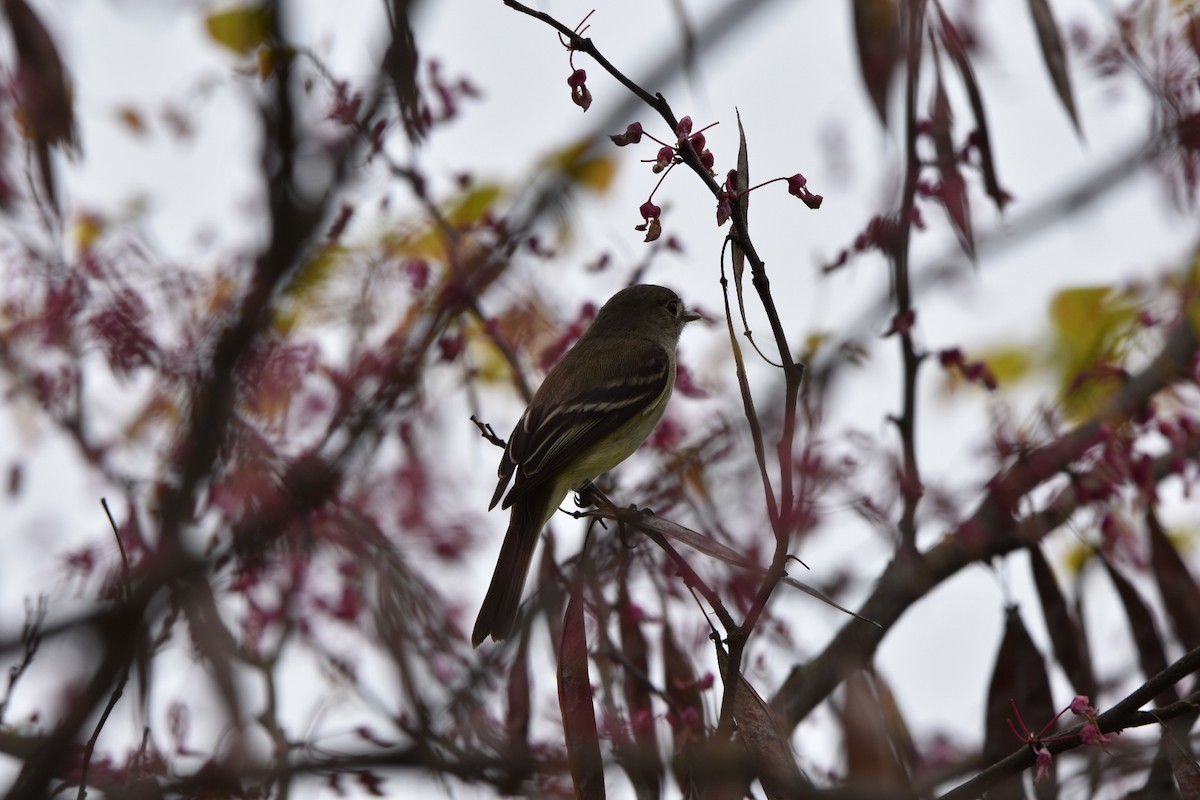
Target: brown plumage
(591, 412)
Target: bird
(592, 411)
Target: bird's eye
(673, 307)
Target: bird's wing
(565, 421)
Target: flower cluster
(664, 161)
(670, 155)
(580, 95)
(1089, 734)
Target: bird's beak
(690, 316)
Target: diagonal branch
(1123, 715)
(990, 531)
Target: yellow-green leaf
(1193, 306)
(240, 28)
(1076, 557)
(469, 207)
(1008, 364)
(1090, 317)
(317, 271)
(589, 171)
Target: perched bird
(591, 412)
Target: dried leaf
(1151, 654)
(880, 48)
(812, 591)
(643, 766)
(1183, 764)
(686, 713)
(1019, 678)
(743, 207)
(1065, 634)
(701, 543)
(765, 738)
(952, 189)
(871, 764)
(679, 681)
(550, 590)
(894, 723)
(575, 701)
(711, 547)
(516, 721)
(1181, 596)
(983, 141)
(1054, 56)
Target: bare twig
(31, 639)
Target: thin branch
(31, 639)
(914, 14)
(1121, 716)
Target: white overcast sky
(794, 78)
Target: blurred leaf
(159, 408)
(1077, 556)
(686, 712)
(267, 58)
(516, 721)
(274, 375)
(1089, 318)
(897, 728)
(1054, 56)
(1092, 326)
(1151, 655)
(425, 238)
(952, 189)
(308, 293)
(814, 344)
(1183, 764)
(1181, 596)
(590, 172)
(645, 766)
(1019, 677)
(871, 764)
(575, 700)
(550, 589)
(880, 47)
(1008, 364)
(88, 228)
(1192, 294)
(469, 207)
(132, 119)
(400, 63)
(315, 272)
(764, 737)
(1070, 647)
(46, 114)
(957, 51)
(240, 28)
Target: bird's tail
(498, 614)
